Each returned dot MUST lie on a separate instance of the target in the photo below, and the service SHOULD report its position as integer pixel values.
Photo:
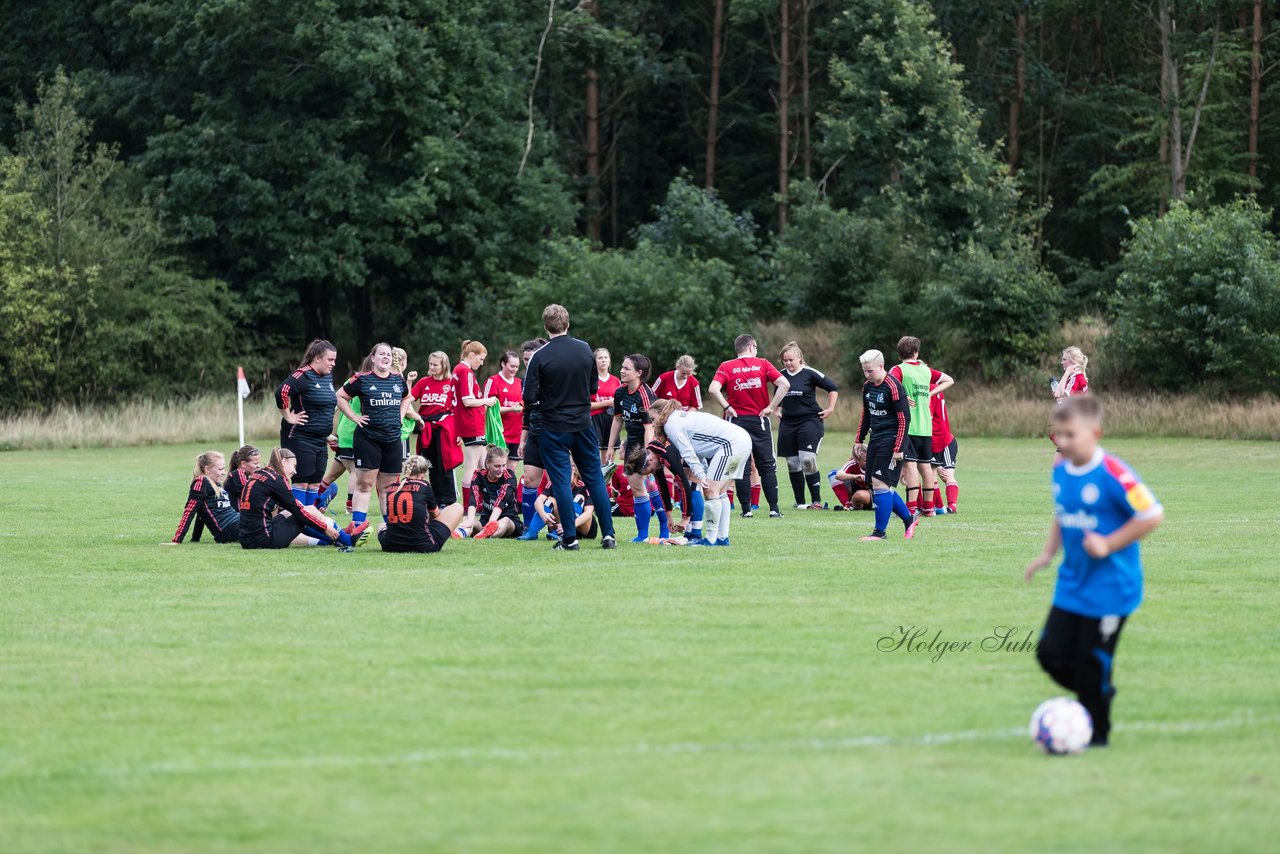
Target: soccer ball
(1061, 727)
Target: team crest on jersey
(1089, 494)
(396, 388)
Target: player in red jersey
(469, 416)
(741, 386)
(436, 441)
(944, 455)
(849, 483)
(918, 473)
(602, 400)
(680, 385)
(508, 390)
(1074, 380)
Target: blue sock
(643, 512)
(884, 508)
(300, 494)
(344, 539)
(535, 526)
(528, 497)
(358, 517)
(312, 495)
(697, 506)
(655, 502)
(384, 518)
(900, 508)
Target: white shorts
(729, 465)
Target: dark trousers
(760, 430)
(441, 480)
(1077, 654)
(581, 447)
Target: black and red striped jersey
(306, 391)
(380, 399)
(211, 506)
(884, 412)
(633, 406)
(264, 492)
(487, 494)
(409, 508)
(234, 485)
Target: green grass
(502, 697)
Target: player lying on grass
(272, 518)
(548, 516)
(492, 512)
(1101, 510)
(884, 430)
(849, 483)
(415, 522)
(208, 504)
(716, 453)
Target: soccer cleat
(723, 541)
(346, 549)
(951, 508)
(487, 531)
(816, 506)
(875, 536)
(528, 535)
(775, 514)
(799, 506)
(562, 546)
(839, 507)
(747, 514)
(941, 511)
(755, 506)
(608, 469)
(911, 528)
(639, 539)
(360, 533)
(701, 541)
(608, 543)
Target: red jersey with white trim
(468, 421)
(605, 391)
(745, 382)
(1077, 383)
(859, 476)
(435, 397)
(688, 394)
(508, 394)
(941, 421)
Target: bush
(1198, 297)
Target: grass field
(503, 697)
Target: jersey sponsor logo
(435, 399)
(1079, 520)
(747, 384)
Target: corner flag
(242, 389)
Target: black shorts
(881, 465)
(603, 421)
(437, 535)
(281, 532)
(532, 452)
(346, 455)
(917, 449)
(370, 453)
(760, 430)
(946, 458)
(800, 435)
(474, 441)
(513, 451)
(313, 459)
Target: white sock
(726, 513)
(710, 518)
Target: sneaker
(839, 507)
(755, 506)
(875, 536)
(562, 546)
(911, 528)
(775, 514)
(487, 531)
(799, 506)
(747, 514)
(608, 543)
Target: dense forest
(188, 184)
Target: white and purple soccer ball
(1061, 727)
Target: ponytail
(278, 456)
(240, 455)
(415, 466)
(315, 350)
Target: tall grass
(204, 418)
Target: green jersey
(916, 378)
(347, 427)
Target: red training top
(745, 381)
(689, 395)
(941, 422)
(435, 397)
(468, 421)
(508, 394)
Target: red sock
(755, 494)
(841, 492)
(913, 499)
(937, 499)
(953, 495)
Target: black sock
(797, 485)
(743, 485)
(769, 486)
(815, 487)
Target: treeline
(185, 184)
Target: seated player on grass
(245, 460)
(676, 479)
(272, 518)
(208, 504)
(548, 517)
(849, 483)
(1101, 510)
(493, 512)
(415, 522)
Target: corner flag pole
(242, 391)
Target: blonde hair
(687, 363)
(471, 348)
(872, 357)
(493, 453)
(660, 411)
(444, 360)
(204, 461)
(788, 347)
(415, 466)
(399, 360)
(278, 456)
(1077, 357)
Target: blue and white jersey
(1100, 496)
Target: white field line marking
(533, 754)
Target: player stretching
(1101, 511)
(884, 417)
(415, 522)
(745, 398)
(800, 427)
(716, 453)
(921, 383)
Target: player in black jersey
(631, 402)
(207, 504)
(415, 523)
(385, 401)
(493, 511)
(661, 457)
(271, 518)
(245, 460)
(884, 429)
(547, 516)
(306, 402)
(800, 427)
